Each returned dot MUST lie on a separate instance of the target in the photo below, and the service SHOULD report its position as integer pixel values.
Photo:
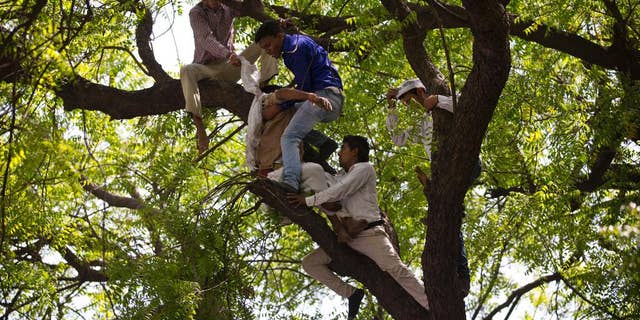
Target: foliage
(196, 246)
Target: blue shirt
(309, 63)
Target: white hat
(408, 86)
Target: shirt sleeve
(344, 188)
(204, 36)
(445, 102)
(398, 136)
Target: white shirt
(423, 130)
(356, 190)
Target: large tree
(120, 218)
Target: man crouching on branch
(358, 225)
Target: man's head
(410, 89)
(212, 4)
(354, 149)
(270, 37)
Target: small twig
(142, 67)
(221, 142)
(517, 294)
(6, 169)
(447, 54)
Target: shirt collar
(290, 43)
(357, 164)
(219, 9)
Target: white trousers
(375, 244)
(313, 178)
(190, 74)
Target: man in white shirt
(356, 189)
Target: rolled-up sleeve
(445, 102)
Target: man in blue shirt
(313, 72)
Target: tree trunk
(458, 140)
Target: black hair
(414, 91)
(271, 88)
(360, 143)
(269, 28)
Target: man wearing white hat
(414, 90)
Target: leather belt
(374, 224)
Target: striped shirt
(212, 33)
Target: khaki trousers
(190, 74)
(375, 244)
(269, 151)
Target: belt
(374, 224)
(335, 90)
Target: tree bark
(161, 98)
(458, 140)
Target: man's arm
(286, 94)
(204, 36)
(338, 227)
(352, 182)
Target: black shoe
(285, 186)
(327, 149)
(354, 303)
(327, 168)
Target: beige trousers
(375, 244)
(190, 74)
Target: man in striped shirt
(212, 25)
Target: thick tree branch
(598, 169)
(249, 8)
(143, 41)
(346, 261)
(579, 47)
(616, 57)
(161, 98)
(321, 23)
(134, 202)
(515, 295)
(85, 272)
(458, 138)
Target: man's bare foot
(203, 143)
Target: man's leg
(301, 123)
(375, 244)
(307, 115)
(190, 74)
(315, 265)
(325, 145)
